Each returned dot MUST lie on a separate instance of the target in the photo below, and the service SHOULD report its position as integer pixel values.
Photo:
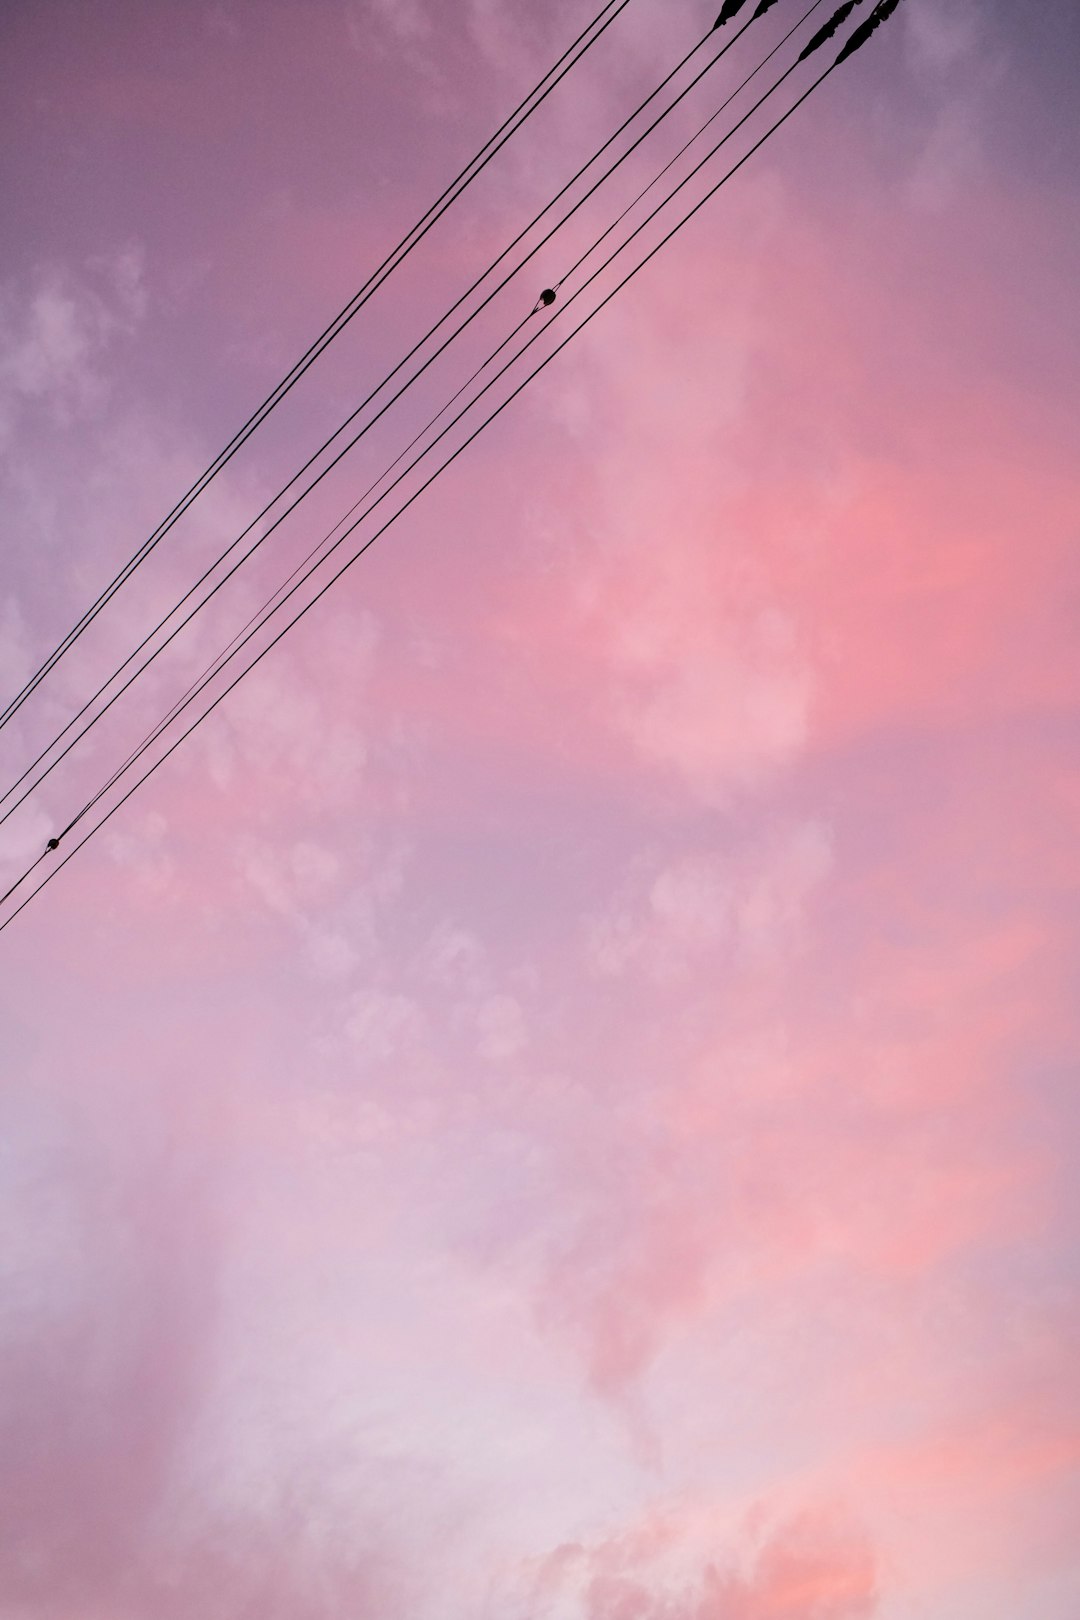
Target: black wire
(351, 418)
(162, 725)
(214, 663)
(21, 880)
(415, 496)
(698, 133)
(207, 672)
(363, 404)
(563, 279)
(337, 325)
(183, 702)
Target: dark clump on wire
(763, 7)
(881, 12)
(827, 30)
(727, 11)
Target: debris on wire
(728, 10)
(546, 299)
(881, 12)
(827, 30)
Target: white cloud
(751, 904)
(383, 1025)
(678, 1566)
(707, 676)
(773, 910)
(125, 273)
(55, 334)
(950, 154)
(500, 1021)
(335, 917)
(330, 953)
(940, 35)
(292, 878)
(960, 65)
(21, 839)
(406, 20)
(455, 958)
(723, 705)
(684, 911)
(139, 846)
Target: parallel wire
(367, 427)
(342, 426)
(21, 880)
(209, 669)
(200, 685)
(415, 496)
(635, 270)
(378, 277)
(698, 133)
(439, 470)
(216, 662)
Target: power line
(214, 663)
(700, 130)
(882, 10)
(209, 669)
(412, 238)
(333, 580)
(183, 702)
(367, 427)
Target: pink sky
(560, 1102)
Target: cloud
(57, 334)
(501, 1024)
(811, 1568)
(685, 911)
(939, 36)
(722, 707)
(407, 21)
(815, 1565)
(377, 1245)
(776, 899)
(745, 907)
(698, 656)
(383, 1026)
(121, 1252)
(950, 155)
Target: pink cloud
(813, 1566)
(579, 1048)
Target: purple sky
(559, 1103)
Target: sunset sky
(560, 1102)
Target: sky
(559, 1101)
